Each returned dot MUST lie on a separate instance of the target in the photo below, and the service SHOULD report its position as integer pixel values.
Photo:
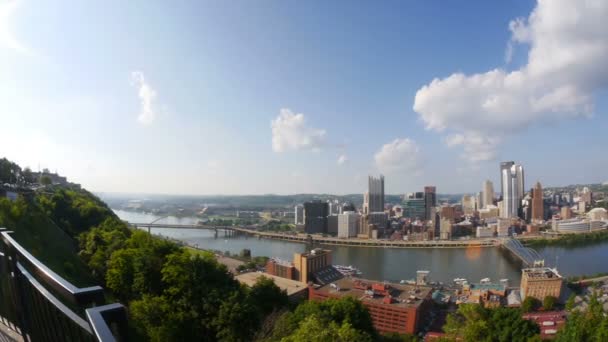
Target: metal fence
(40, 305)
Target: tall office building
(537, 203)
(373, 200)
(487, 194)
(299, 214)
(512, 187)
(315, 217)
(348, 224)
(469, 205)
(430, 201)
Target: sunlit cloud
(147, 97)
(7, 39)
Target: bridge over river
(528, 256)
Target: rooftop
(405, 296)
(316, 252)
(487, 287)
(290, 286)
(541, 273)
(282, 262)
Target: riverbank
(354, 242)
(569, 240)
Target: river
(394, 264)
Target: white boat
(459, 280)
(485, 281)
(347, 270)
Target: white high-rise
(348, 224)
(487, 194)
(299, 214)
(512, 187)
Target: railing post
(19, 305)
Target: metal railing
(40, 305)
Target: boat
(459, 280)
(408, 282)
(485, 281)
(347, 270)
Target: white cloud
(7, 39)
(342, 159)
(290, 132)
(147, 98)
(567, 62)
(398, 155)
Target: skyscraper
(430, 201)
(487, 194)
(537, 203)
(299, 214)
(373, 200)
(512, 187)
(315, 217)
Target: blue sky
(243, 97)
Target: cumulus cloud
(398, 155)
(342, 159)
(147, 98)
(291, 133)
(567, 63)
(7, 39)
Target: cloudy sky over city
(254, 97)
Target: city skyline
(219, 98)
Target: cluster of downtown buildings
(482, 215)
(403, 308)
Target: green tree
(472, 322)
(9, 171)
(46, 180)
(570, 302)
(236, 319)
(530, 304)
(339, 311)
(27, 176)
(549, 303)
(267, 297)
(314, 329)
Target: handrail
(99, 316)
(80, 296)
(49, 296)
(34, 301)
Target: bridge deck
(334, 241)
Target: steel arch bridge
(528, 256)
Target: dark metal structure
(40, 305)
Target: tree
(472, 322)
(339, 311)
(28, 177)
(530, 304)
(314, 329)
(237, 318)
(45, 180)
(570, 302)
(549, 303)
(267, 297)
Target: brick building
(307, 263)
(394, 308)
(281, 268)
(539, 282)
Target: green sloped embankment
(36, 231)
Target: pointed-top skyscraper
(512, 187)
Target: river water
(394, 264)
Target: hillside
(36, 232)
